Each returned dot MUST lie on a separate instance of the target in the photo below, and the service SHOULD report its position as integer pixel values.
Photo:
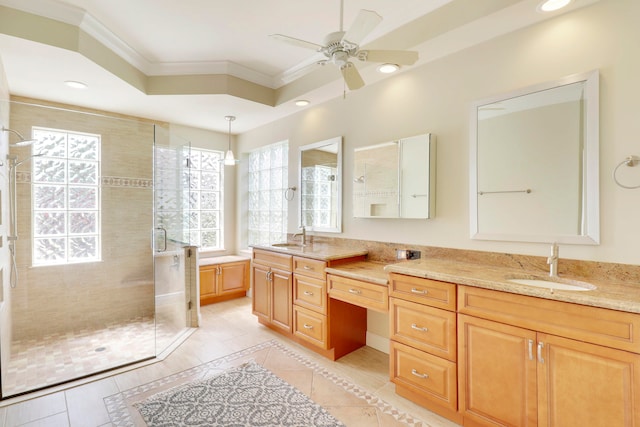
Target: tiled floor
(56, 358)
(226, 328)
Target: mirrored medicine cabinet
(534, 163)
(395, 179)
(320, 183)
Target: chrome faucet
(303, 234)
(553, 261)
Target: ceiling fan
(340, 47)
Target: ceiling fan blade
(400, 57)
(364, 23)
(296, 42)
(351, 76)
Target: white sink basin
(555, 283)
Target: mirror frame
(338, 228)
(591, 178)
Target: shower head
(23, 142)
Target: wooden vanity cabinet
(524, 374)
(223, 281)
(290, 296)
(423, 351)
(272, 280)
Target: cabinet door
(233, 277)
(281, 299)
(208, 280)
(496, 373)
(584, 384)
(261, 292)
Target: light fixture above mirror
(229, 158)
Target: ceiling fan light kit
(340, 47)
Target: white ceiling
(171, 37)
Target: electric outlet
(407, 254)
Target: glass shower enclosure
(88, 281)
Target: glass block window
(267, 180)
(65, 178)
(317, 200)
(205, 179)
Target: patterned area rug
(338, 396)
(248, 395)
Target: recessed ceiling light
(551, 5)
(76, 85)
(302, 102)
(388, 68)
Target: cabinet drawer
(309, 267)
(310, 326)
(363, 294)
(429, 376)
(272, 259)
(596, 325)
(423, 291)
(310, 293)
(426, 328)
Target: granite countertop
(369, 271)
(612, 294)
(222, 259)
(616, 295)
(320, 251)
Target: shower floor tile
(57, 358)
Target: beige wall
(437, 97)
(118, 288)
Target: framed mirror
(534, 166)
(395, 179)
(321, 186)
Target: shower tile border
(105, 181)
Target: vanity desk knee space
(290, 295)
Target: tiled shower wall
(52, 299)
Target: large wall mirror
(395, 179)
(321, 186)
(534, 163)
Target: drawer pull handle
(530, 349)
(418, 328)
(307, 326)
(419, 291)
(308, 293)
(355, 291)
(306, 267)
(418, 374)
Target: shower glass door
(78, 296)
(171, 238)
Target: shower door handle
(164, 239)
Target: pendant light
(229, 159)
